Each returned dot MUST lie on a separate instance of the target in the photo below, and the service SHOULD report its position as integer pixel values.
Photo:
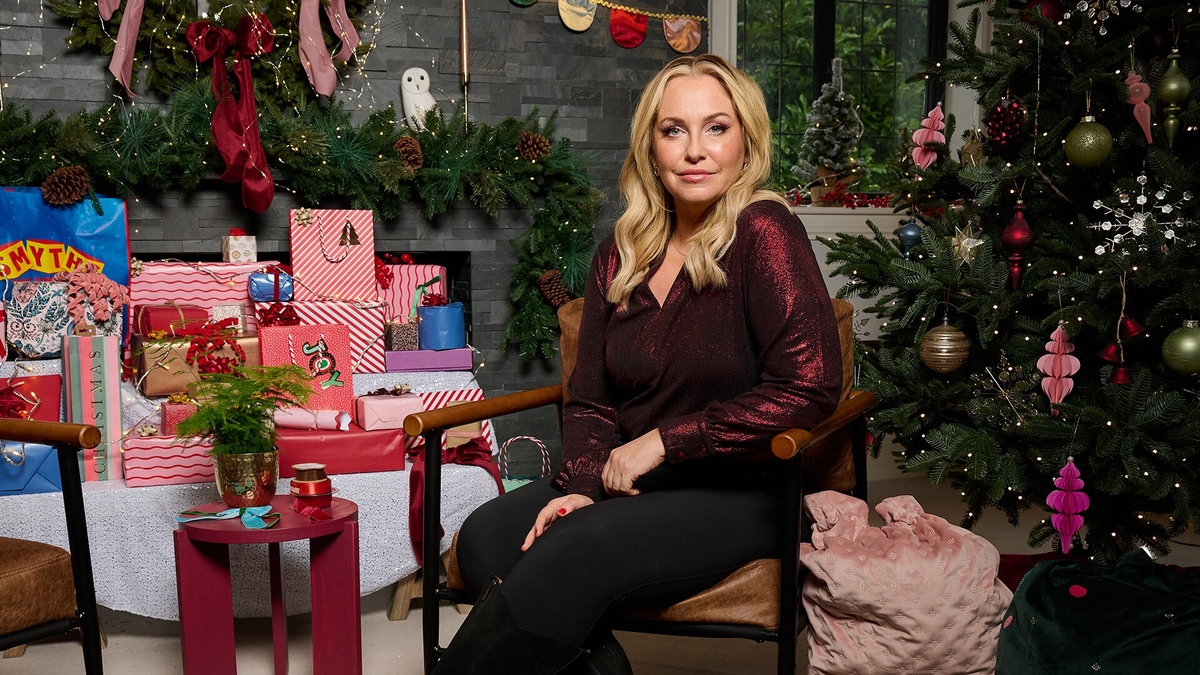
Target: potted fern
(236, 413)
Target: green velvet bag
(1133, 618)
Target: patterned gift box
(239, 248)
(400, 335)
(236, 311)
(38, 319)
(364, 320)
(432, 400)
(405, 278)
(173, 414)
(333, 254)
(166, 460)
(92, 370)
(324, 351)
(202, 284)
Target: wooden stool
(206, 592)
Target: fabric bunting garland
(628, 25)
(235, 123)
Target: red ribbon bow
(434, 300)
(237, 232)
(235, 123)
(475, 452)
(278, 314)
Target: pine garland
(321, 154)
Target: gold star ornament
(964, 243)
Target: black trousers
(683, 534)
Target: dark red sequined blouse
(718, 371)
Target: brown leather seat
(750, 595)
(36, 584)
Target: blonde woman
(706, 330)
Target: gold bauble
(945, 348)
(1174, 87)
(1089, 143)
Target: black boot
(491, 643)
(604, 657)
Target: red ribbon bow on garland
(278, 314)
(237, 232)
(235, 123)
(475, 452)
(210, 339)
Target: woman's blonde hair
(644, 228)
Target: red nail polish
(562, 512)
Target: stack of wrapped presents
(94, 337)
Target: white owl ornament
(415, 96)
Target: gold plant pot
(247, 479)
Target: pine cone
(65, 186)
(552, 286)
(410, 153)
(533, 146)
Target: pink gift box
(387, 412)
(166, 460)
(204, 285)
(423, 360)
(173, 414)
(405, 278)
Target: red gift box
(333, 255)
(365, 322)
(324, 351)
(35, 397)
(353, 451)
(169, 318)
(173, 414)
(166, 460)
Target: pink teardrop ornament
(930, 132)
(1058, 366)
(1068, 501)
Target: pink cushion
(917, 595)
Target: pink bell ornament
(1068, 501)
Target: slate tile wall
(521, 59)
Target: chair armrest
(793, 441)
(49, 433)
(452, 416)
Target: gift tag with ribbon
(577, 15)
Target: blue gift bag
(442, 327)
(28, 468)
(271, 286)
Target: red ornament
(406, 258)
(1016, 239)
(1111, 353)
(1004, 123)
(1121, 375)
(1050, 10)
(1130, 328)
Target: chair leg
(15, 653)
(402, 598)
(858, 451)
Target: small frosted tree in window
(829, 154)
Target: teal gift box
(442, 327)
(28, 468)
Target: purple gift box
(421, 360)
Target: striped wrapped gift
(92, 388)
(327, 263)
(433, 400)
(405, 278)
(365, 321)
(166, 460)
(203, 284)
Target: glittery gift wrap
(92, 369)
(166, 460)
(173, 414)
(160, 367)
(239, 249)
(400, 336)
(237, 312)
(333, 255)
(323, 351)
(37, 319)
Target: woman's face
(698, 147)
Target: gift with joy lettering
(166, 460)
(364, 320)
(92, 367)
(323, 351)
(333, 254)
(204, 285)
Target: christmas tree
(1039, 316)
(830, 149)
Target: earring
(745, 165)
(654, 169)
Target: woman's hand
(557, 508)
(632, 461)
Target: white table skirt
(133, 556)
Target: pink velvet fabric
(918, 595)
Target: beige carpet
(139, 646)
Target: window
(786, 46)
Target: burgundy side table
(206, 592)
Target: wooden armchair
(45, 590)
(756, 602)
